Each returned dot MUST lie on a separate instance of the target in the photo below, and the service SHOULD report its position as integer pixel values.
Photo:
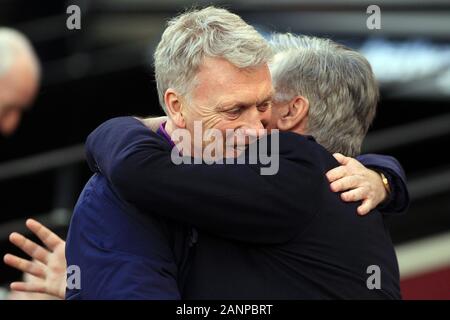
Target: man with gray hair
(250, 226)
(333, 85)
(328, 91)
(19, 78)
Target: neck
(170, 127)
(301, 128)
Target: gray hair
(338, 82)
(13, 43)
(210, 32)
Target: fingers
(349, 166)
(367, 204)
(365, 207)
(353, 195)
(50, 239)
(29, 247)
(26, 266)
(36, 286)
(336, 173)
(153, 123)
(345, 183)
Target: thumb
(341, 158)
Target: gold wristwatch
(385, 182)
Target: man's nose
(265, 116)
(256, 119)
(255, 123)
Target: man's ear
(174, 106)
(294, 115)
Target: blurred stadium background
(104, 70)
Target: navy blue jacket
(252, 227)
(121, 253)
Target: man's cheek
(272, 123)
(215, 121)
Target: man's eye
(264, 106)
(234, 112)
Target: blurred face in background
(18, 87)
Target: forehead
(219, 79)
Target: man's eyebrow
(266, 99)
(246, 104)
(232, 104)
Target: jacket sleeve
(232, 201)
(398, 201)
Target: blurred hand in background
(46, 272)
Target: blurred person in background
(19, 85)
(19, 78)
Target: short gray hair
(338, 82)
(210, 32)
(13, 42)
